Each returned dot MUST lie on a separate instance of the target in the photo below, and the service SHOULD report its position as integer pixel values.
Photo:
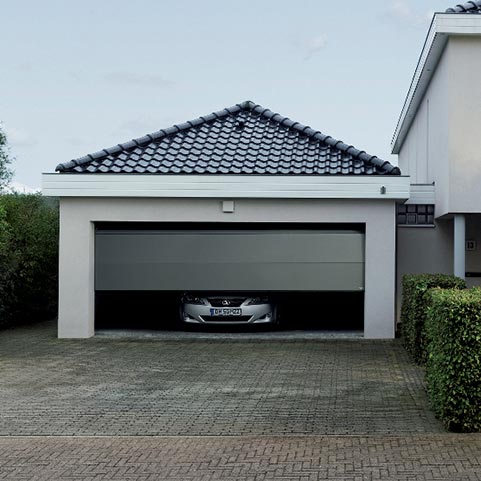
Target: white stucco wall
(76, 275)
(465, 124)
(430, 250)
(423, 250)
(76, 303)
(424, 155)
(442, 144)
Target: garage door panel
(220, 260)
(232, 276)
(221, 247)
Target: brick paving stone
(207, 387)
(219, 409)
(376, 457)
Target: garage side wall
(78, 215)
(76, 273)
(423, 250)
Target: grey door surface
(235, 260)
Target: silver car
(227, 309)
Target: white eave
(394, 187)
(442, 26)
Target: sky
(77, 77)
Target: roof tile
(469, 7)
(243, 139)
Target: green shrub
(5, 262)
(453, 369)
(28, 258)
(414, 308)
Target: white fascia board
(226, 186)
(422, 194)
(442, 26)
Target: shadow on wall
(160, 310)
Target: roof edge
(443, 26)
(232, 186)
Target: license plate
(226, 311)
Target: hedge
(414, 308)
(28, 258)
(453, 368)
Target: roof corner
(468, 7)
(247, 105)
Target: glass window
(415, 215)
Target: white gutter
(226, 186)
(442, 26)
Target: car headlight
(193, 300)
(257, 300)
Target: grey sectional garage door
(271, 260)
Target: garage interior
(313, 272)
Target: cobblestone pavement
(206, 409)
(224, 387)
(435, 457)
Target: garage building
(239, 200)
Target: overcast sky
(80, 76)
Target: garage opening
(151, 310)
(313, 272)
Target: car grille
(232, 319)
(232, 302)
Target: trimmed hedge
(414, 308)
(28, 258)
(453, 369)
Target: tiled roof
(469, 7)
(243, 139)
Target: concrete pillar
(76, 276)
(380, 275)
(460, 246)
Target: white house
(438, 143)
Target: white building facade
(438, 144)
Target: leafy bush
(414, 308)
(453, 369)
(5, 262)
(5, 161)
(28, 258)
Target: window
(415, 215)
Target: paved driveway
(226, 409)
(208, 387)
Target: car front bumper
(254, 314)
